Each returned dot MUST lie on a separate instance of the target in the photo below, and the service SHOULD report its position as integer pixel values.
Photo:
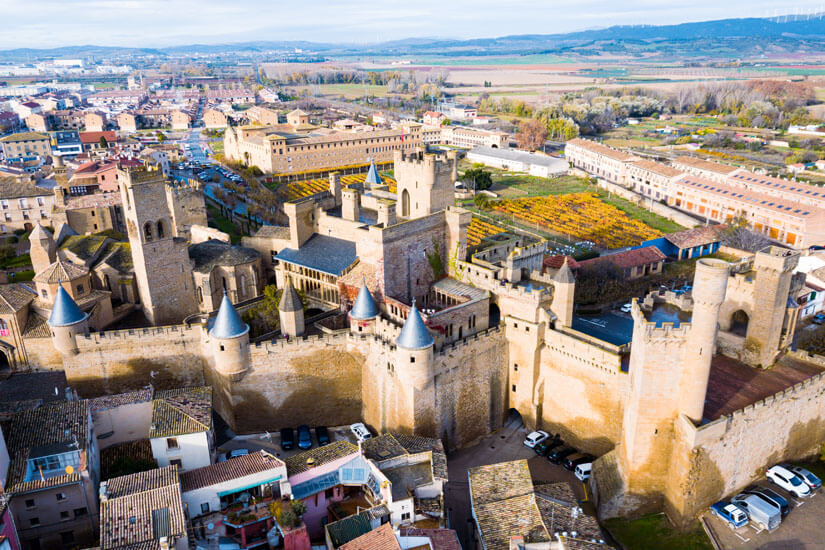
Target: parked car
(548, 445)
(287, 439)
(575, 459)
(819, 318)
(534, 438)
(731, 514)
(788, 480)
(769, 516)
(322, 435)
(235, 453)
(627, 308)
(360, 431)
(810, 479)
(582, 471)
(769, 495)
(304, 437)
(557, 455)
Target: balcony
(238, 516)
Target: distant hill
(725, 38)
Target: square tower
(425, 182)
(162, 267)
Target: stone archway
(739, 323)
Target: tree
(161, 137)
(738, 235)
(531, 134)
(103, 143)
(479, 178)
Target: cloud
(150, 23)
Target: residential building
(297, 118)
(53, 475)
(650, 179)
(179, 120)
(632, 264)
(599, 160)
(382, 538)
(214, 119)
(66, 143)
(433, 118)
(264, 116)
(92, 142)
(338, 533)
(709, 170)
(8, 528)
(463, 136)
(543, 166)
(98, 175)
(235, 495)
(230, 95)
(23, 205)
(181, 432)
(39, 122)
(460, 112)
(690, 243)
(127, 122)
(143, 510)
(8, 121)
(26, 144)
(117, 98)
(94, 121)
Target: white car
(788, 481)
(534, 438)
(627, 308)
(582, 471)
(360, 431)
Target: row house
(651, 179)
(600, 160)
(462, 136)
(22, 205)
(714, 171)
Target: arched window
(200, 295)
(147, 231)
(405, 203)
(243, 285)
(160, 230)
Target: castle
(444, 340)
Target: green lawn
(656, 532)
(22, 276)
(17, 261)
(222, 223)
(638, 213)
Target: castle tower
(43, 249)
(415, 395)
(709, 286)
(162, 267)
(291, 311)
(66, 322)
(564, 288)
(335, 186)
(774, 268)
(425, 183)
(458, 220)
(364, 311)
(229, 340)
(351, 204)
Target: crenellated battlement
(141, 334)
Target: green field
(222, 223)
(656, 532)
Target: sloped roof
(209, 254)
(232, 468)
(119, 257)
(564, 275)
(322, 253)
(382, 538)
(24, 136)
(84, 247)
(440, 539)
(417, 444)
(364, 306)
(348, 529)
(276, 231)
(14, 297)
(290, 301)
(373, 176)
(181, 411)
(15, 190)
(228, 323)
(697, 236)
(320, 455)
(39, 232)
(61, 270)
(64, 310)
(414, 333)
(629, 258)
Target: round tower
(291, 312)
(709, 286)
(364, 312)
(229, 339)
(414, 354)
(66, 322)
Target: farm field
(580, 216)
(304, 188)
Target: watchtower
(774, 268)
(425, 182)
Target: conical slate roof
(65, 311)
(290, 301)
(364, 306)
(228, 323)
(372, 175)
(414, 334)
(565, 274)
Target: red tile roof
(629, 258)
(382, 538)
(94, 137)
(555, 262)
(441, 539)
(232, 468)
(697, 236)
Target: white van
(360, 431)
(759, 511)
(582, 471)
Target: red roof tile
(629, 258)
(555, 262)
(382, 538)
(94, 137)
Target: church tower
(162, 267)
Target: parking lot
(802, 528)
(271, 442)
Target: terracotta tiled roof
(382, 538)
(555, 262)
(118, 400)
(658, 168)
(558, 515)
(629, 258)
(232, 468)
(181, 411)
(141, 509)
(14, 297)
(701, 164)
(321, 455)
(418, 444)
(441, 539)
(697, 236)
(59, 425)
(504, 504)
(62, 271)
(14, 190)
(602, 149)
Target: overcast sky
(48, 23)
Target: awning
(249, 486)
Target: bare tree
(531, 134)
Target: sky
(158, 23)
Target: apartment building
(23, 205)
(462, 136)
(26, 144)
(650, 178)
(599, 160)
(282, 153)
(788, 222)
(793, 191)
(714, 171)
